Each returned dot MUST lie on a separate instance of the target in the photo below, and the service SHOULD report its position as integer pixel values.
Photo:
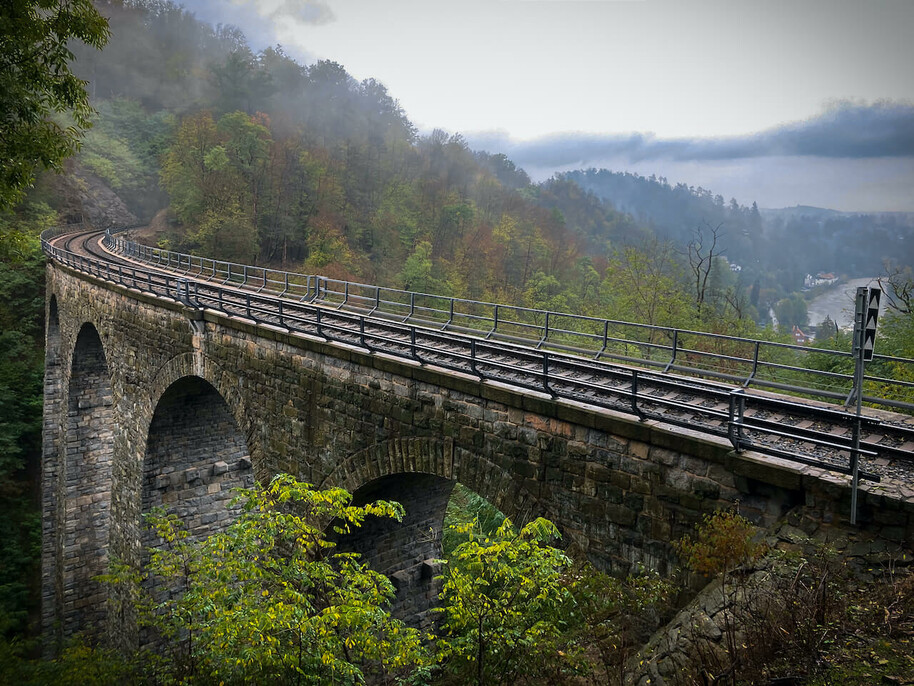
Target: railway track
(805, 432)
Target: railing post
(545, 333)
(412, 345)
(546, 374)
(450, 316)
(605, 339)
(494, 324)
(634, 398)
(473, 357)
(736, 413)
(755, 356)
(675, 350)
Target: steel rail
(743, 361)
(560, 375)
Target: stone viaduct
(148, 403)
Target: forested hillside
(261, 158)
(820, 240)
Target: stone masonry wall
(195, 456)
(620, 490)
(405, 551)
(87, 479)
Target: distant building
(820, 279)
(799, 337)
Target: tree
(504, 603)
(417, 272)
(21, 371)
(36, 83)
(267, 600)
(791, 311)
(723, 542)
(701, 260)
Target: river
(838, 303)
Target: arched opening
(408, 551)
(195, 456)
(405, 551)
(421, 474)
(87, 485)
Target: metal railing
(745, 362)
(733, 414)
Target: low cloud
(304, 11)
(845, 131)
(259, 19)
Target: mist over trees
(820, 240)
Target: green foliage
(504, 604)
(614, 617)
(123, 148)
(417, 271)
(21, 371)
(36, 82)
(791, 312)
(78, 663)
(268, 601)
(467, 507)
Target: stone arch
(195, 364)
(195, 454)
(85, 483)
(420, 473)
(441, 458)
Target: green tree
(268, 601)
(504, 605)
(791, 311)
(417, 272)
(36, 83)
(21, 371)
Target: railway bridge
(171, 379)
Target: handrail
(558, 374)
(745, 362)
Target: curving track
(806, 432)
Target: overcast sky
(717, 93)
